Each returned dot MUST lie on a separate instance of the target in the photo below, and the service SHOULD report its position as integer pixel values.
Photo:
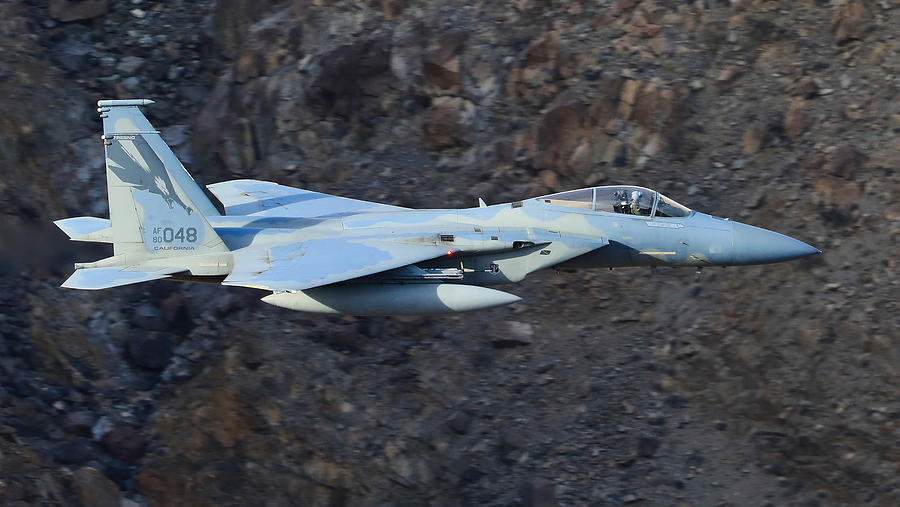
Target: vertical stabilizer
(156, 209)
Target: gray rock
(152, 351)
(12, 491)
(101, 428)
(538, 492)
(72, 10)
(79, 423)
(459, 421)
(129, 65)
(72, 55)
(174, 136)
(74, 452)
(149, 317)
(647, 446)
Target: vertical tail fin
(156, 209)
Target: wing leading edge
(264, 198)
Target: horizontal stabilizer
(91, 229)
(104, 278)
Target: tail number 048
(172, 235)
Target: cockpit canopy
(638, 201)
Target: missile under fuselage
(392, 299)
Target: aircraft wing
(264, 198)
(317, 262)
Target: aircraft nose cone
(752, 245)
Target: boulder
(126, 443)
(838, 191)
(559, 133)
(73, 10)
(538, 492)
(459, 421)
(74, 452)
(346, 70)
(79, 423)
(442, 65)
(447, 122)
(850, 21)
(93, 488)
(149, 317)
(796, 119)
(129, 65)
(754, 138)
(845, 161)
(70, 54)
(150, 350)
(647, 446)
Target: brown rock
(323, 471)
(248, 65)
(443, 76)
(623, 5)
(603, 19)
(845, 162)
(813, 163)
(796, 119)
(447, 122)
(345, 71)
(549, 179)
(449, 45)
(393, 8)
(588, 155)
(93, 488)
(837, 191)
(850, 21)
(855, 110)
(604, 107)
(654, 146)
(156, 488)
(728, 75)
(754, 138)
(645, 105)
(79, 423)
(71, 10)
(659, 46)
(628, 97)
(805, 87)
(543, 51)
(558, 134)
(442, 65)
(616, 153)
(125, 443)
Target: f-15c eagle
(322, 253)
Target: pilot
(635, 199)
(620, 201)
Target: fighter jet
(316, 252)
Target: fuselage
(505, 242)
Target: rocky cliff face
(773, 384)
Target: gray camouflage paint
(325, 253)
